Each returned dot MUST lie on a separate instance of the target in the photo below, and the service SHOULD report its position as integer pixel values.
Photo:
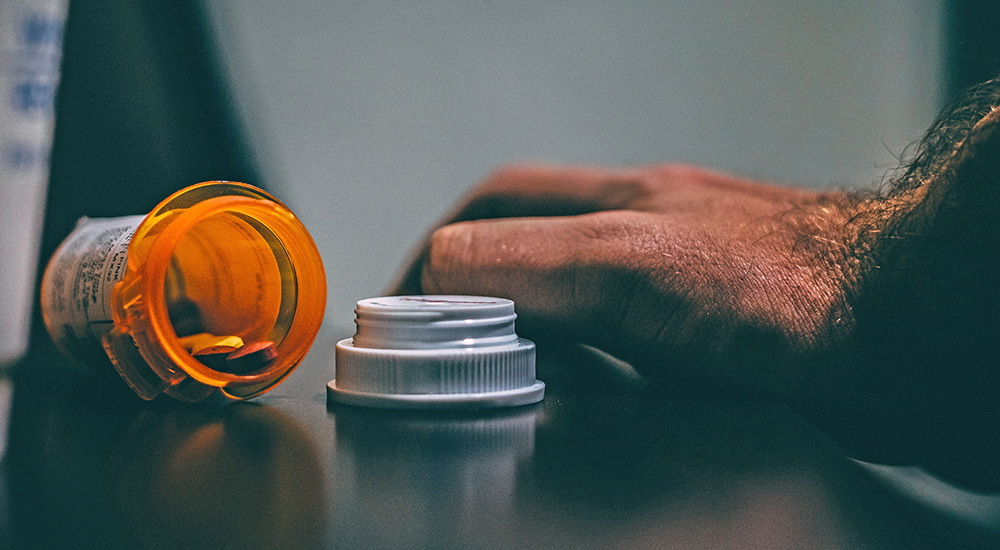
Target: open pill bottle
(215, 258)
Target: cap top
(434, 322)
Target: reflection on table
(603, 462)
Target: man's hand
(688, 274)
(877, 316)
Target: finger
(533, 190)
(534, 262)
(555, 190)
(658, 292)
(573, 275)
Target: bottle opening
(226, 291)
(229, 275)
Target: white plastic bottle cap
(432, 352)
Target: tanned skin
(875, 314)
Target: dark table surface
(603, 462)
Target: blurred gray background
(372, 118)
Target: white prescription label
(76, 295)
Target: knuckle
(670, 174)
(502, 176)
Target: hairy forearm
(922, 376)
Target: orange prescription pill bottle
(221, 258)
